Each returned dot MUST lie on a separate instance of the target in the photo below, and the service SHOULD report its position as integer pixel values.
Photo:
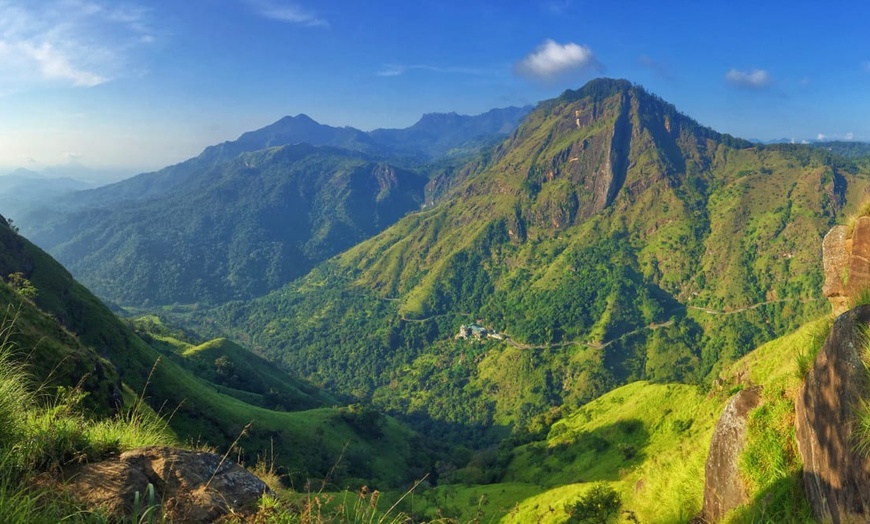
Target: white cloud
(755, 79)
(55, 66)
(287, 12)
(551, 59)
(820, 136)
(82, 43)
(849, 136)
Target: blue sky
(136, 85)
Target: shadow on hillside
(581, 456)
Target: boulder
(723, 488)
(836, 477)
(189, 486)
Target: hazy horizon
(135, 86)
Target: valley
(292, 299)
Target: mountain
(610, 237)
(24, 189)
(292, 130)
(247, 216)
(211, 393)
(449, 134)
(848, 149)
(234, 229)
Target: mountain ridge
(602, 233)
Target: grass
(666, 430)
(861, 430)
(41, 434)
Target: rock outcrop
(847, 264)
(723, 488)
(836, 477)
(835, 258)
(191, 487)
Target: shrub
(599, 505)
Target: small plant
(807, 354)
(862, 299)
(150, 513)
(22, 286)
(861, 429)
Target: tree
(598, 506)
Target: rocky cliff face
(723, 488)
(836, 476)
(847, 264)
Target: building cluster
(477, 332)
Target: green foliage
(231, 230)
(861, 417)
(862, 299)
(771, 465)
(21, 285)
(599, 505)
(698, 253)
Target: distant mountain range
(247, 216)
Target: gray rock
(723, 488)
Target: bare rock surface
(836, 477)
(190, 487)
(723, 488)
(836, 263)
(859, 259)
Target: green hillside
(232, 229)
(66, 336)
(611, 237)
(649, 443)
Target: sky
(131, 86)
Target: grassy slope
(307, 443)
(666, 428)
(232, 370)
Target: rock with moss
(724, 489)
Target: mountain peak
(599, 89)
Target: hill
(67, 337)
(247, 216)
(234, 230)
(649, 443)
(449, 134)
(611, 237)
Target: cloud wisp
(551, 60)
(82, 43)
(287, 12)
(753, 79)
(399, 69)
